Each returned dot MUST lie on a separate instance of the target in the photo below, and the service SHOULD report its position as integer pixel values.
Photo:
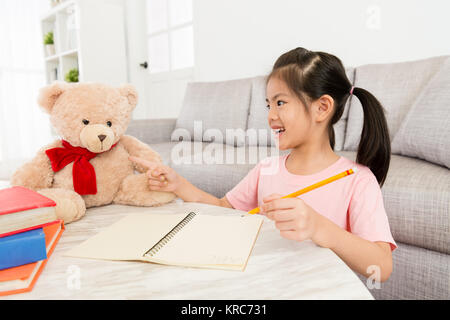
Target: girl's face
(287, 116)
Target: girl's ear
(323, 107)
(129, 92)
(50, 94)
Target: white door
(161, 54)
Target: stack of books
(29, 231)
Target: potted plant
(49, 43)
(72, 75)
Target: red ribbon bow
(83, 173)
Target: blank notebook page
(206, 240)
(127, 239)
(212, 240)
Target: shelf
(53, 71)
(68, 53)
(50, 15)
(52, 58)
(49, 19)
(72, 52)
(61, 20)
(88, 35)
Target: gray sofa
(416, 96)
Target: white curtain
(24, 127)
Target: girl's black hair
(311, 75)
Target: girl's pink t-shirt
(354, 203)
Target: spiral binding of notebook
(161, 243)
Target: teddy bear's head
(89, 115)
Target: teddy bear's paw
(161, 198)
(69, 204)
(134, 192)
(144, 198)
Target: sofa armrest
(152, 131)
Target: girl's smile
(287, 115)
(278, 131)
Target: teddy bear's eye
(86, 122)
(109, 123)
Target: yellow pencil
(314, 186)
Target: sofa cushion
(425, 132)
(152, 130)
(165, 150)
(215, 167)
(416, 197)
(217, 106)
(396, 86)
(216, 179)
(257, 118)
(418, 274)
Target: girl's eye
(280, 103)
(86, 122)
(109, 124)
(268, 106)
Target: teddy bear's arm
(137, 148)
(37, 173)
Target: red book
(22, 209)
(23, 278)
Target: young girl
(306, 94)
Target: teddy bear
(90, 166)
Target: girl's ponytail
(374, 150)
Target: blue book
(22, 248)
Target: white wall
(243, 38)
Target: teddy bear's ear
(49, 94)
(130, 92)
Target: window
(24, 128)
(170, 35)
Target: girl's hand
(294, 218)
(160, 177)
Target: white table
(277, 269)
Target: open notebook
(189, 239)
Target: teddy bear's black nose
(101, 137)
